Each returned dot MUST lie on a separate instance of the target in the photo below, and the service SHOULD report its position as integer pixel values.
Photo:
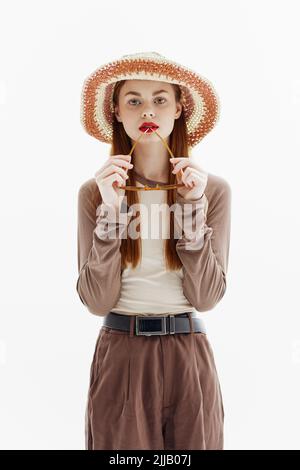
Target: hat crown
(144, 55)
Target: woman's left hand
(193, 177)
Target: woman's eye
(130, 101)
(161, 99)
(134, 100)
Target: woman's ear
(178, 110)
(117, 113)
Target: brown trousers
(153, 392)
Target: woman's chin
(147, 136)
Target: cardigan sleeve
(99, 236)
(205, 256)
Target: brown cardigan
(204, 270)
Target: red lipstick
(149, 127)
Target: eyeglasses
(157, 187)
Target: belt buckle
(156, 331)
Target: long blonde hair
(121, 144)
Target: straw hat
(200, 102)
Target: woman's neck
(147, 181)
(151, 162)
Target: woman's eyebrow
(138, 94)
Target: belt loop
(172, 324)
(132, 324)
(191, 322)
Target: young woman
(153, 378)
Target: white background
(248, 50)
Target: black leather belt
(155, 325)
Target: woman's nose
(148, 113)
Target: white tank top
(149, 289)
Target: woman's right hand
(111, 176)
